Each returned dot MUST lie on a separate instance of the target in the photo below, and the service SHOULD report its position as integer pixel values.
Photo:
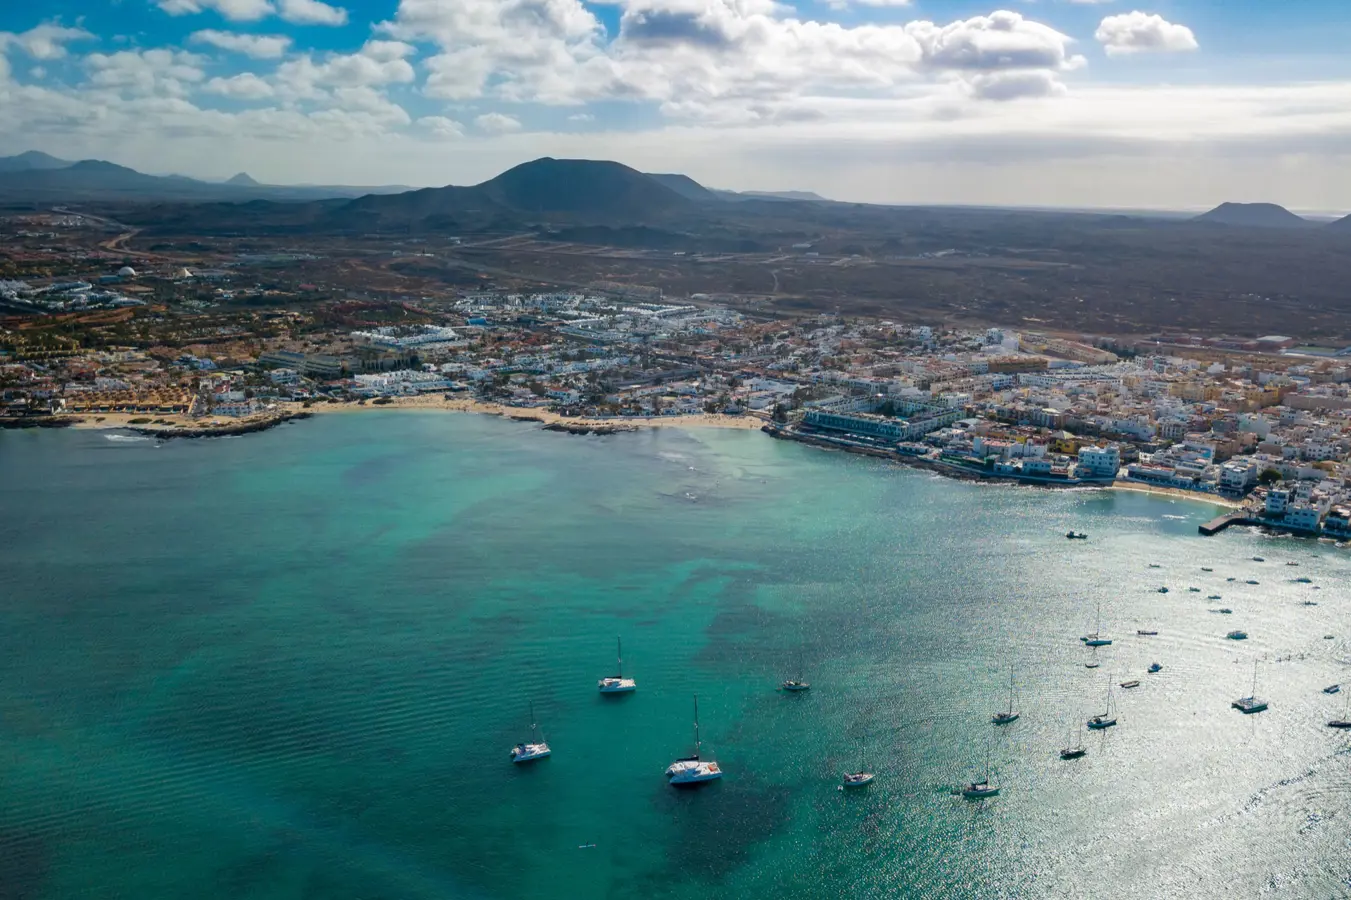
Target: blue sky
(1173, 103)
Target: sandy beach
(1175, 493)
(543, 416)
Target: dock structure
(1215, 526)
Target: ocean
(291, 665)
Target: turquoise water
(291, 666)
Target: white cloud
(234, 10)
(257, 46)
(245, 86)
(1015, 85)
(581, 117)
(496, 123)
(1138, 32)
(441, 127)
(377, 64)
(46, 41)
(145, 72)
(312, 12)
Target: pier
(1215, 526)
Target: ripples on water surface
(291, 666)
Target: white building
(1099, 462)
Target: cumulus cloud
(1015, 85)
(312, 12)
(46, 41)
(245, 86)
(496, 123)
(441, 127)
(581, 117)
(257, 46)
(145, 72)
(1138, 32)
(234, 10)
(377, 64)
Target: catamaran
(796, 684)
(617, 684)
(1250, 703)
(535, 748)
(1005, 716)
(1096, 639)
(862, 776)
(1106, 720)
(692, 769)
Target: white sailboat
(1106, 720)
(1072, 750)
(692, 769)
(862, 776)
(979, 790)
(1004, 717)
(535, 748)
(617, 684)
(798, 683)
(1250, 704)
(1096, 638)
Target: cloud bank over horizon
(1061, 103)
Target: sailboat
(1106, 720)
(1073, 751)
(1250, 703)
(1345, 720)
(535, 748)
(617, 684)
(796, 684)
(1004, 717)
(1096, 639)
(692, 769)
(862, 776)
(979, 790)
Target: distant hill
(577, 190)
(31, 160)
(579, 186)
(243, 179)
(787, 195)
(686, 187)
(1253, 215)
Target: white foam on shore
(126, 438)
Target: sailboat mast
(1254, 679)
(619, 655)
(696, 725)
(1010, 689)
(533, 727)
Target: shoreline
(1176, 494)
(546, 417)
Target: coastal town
(1260, 424)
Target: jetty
(1218, 524)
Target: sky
(1173, 104)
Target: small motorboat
(1076, 536)
(1309, 603)
(1237, 635)
(1214, 597)
(1231, 578)
(1207, 569)
(1091, 665)
(1332, 689)
(1292, 563)
(1303, 580)
(794, 686)
(1258, 559)
(1155, 667)
(1130, 684)
(1146, 633)
(1163, 590)
(1339, 723)
(1073, 752)
(1194, 590)
(1252, 581)
(1154, 565)
(1224, 611)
